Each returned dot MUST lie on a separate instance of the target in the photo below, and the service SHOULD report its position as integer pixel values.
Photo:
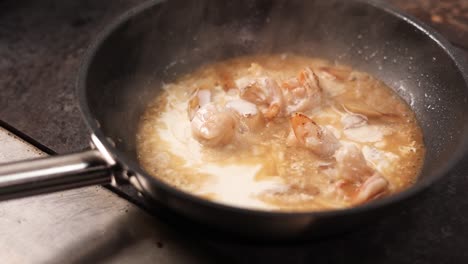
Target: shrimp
(362, 109)
(351, 120)
(248, 116)
(213, 127)
(373, 188)
(318, 139)
(264, 92)
(198, 99)
(337, 74)
(335, 79)
(370, 111)
(351, 164)
(356, 127)
(303, 92)
(361, 182)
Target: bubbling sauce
(281, 132)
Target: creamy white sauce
(236, 185)
(178, 135)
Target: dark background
(42, 43)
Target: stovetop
(41, 43)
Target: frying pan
(160, 40)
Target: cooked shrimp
(333, 80)
(351, 164)
(363, 109)
(303, 92)
(369, 111)
(250, 119)
(339, 74)
(356, 127)
(317, 138)
(361, 182)
(353, 120)
(213, 127)
(374, 187)
(264, 92)
(198, 99)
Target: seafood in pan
(281, 132)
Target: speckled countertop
(41, 44)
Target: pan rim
(384, 202)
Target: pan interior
(174, 37)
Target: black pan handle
(44, 175)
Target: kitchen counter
(41, 44)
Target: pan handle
(44, 175)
